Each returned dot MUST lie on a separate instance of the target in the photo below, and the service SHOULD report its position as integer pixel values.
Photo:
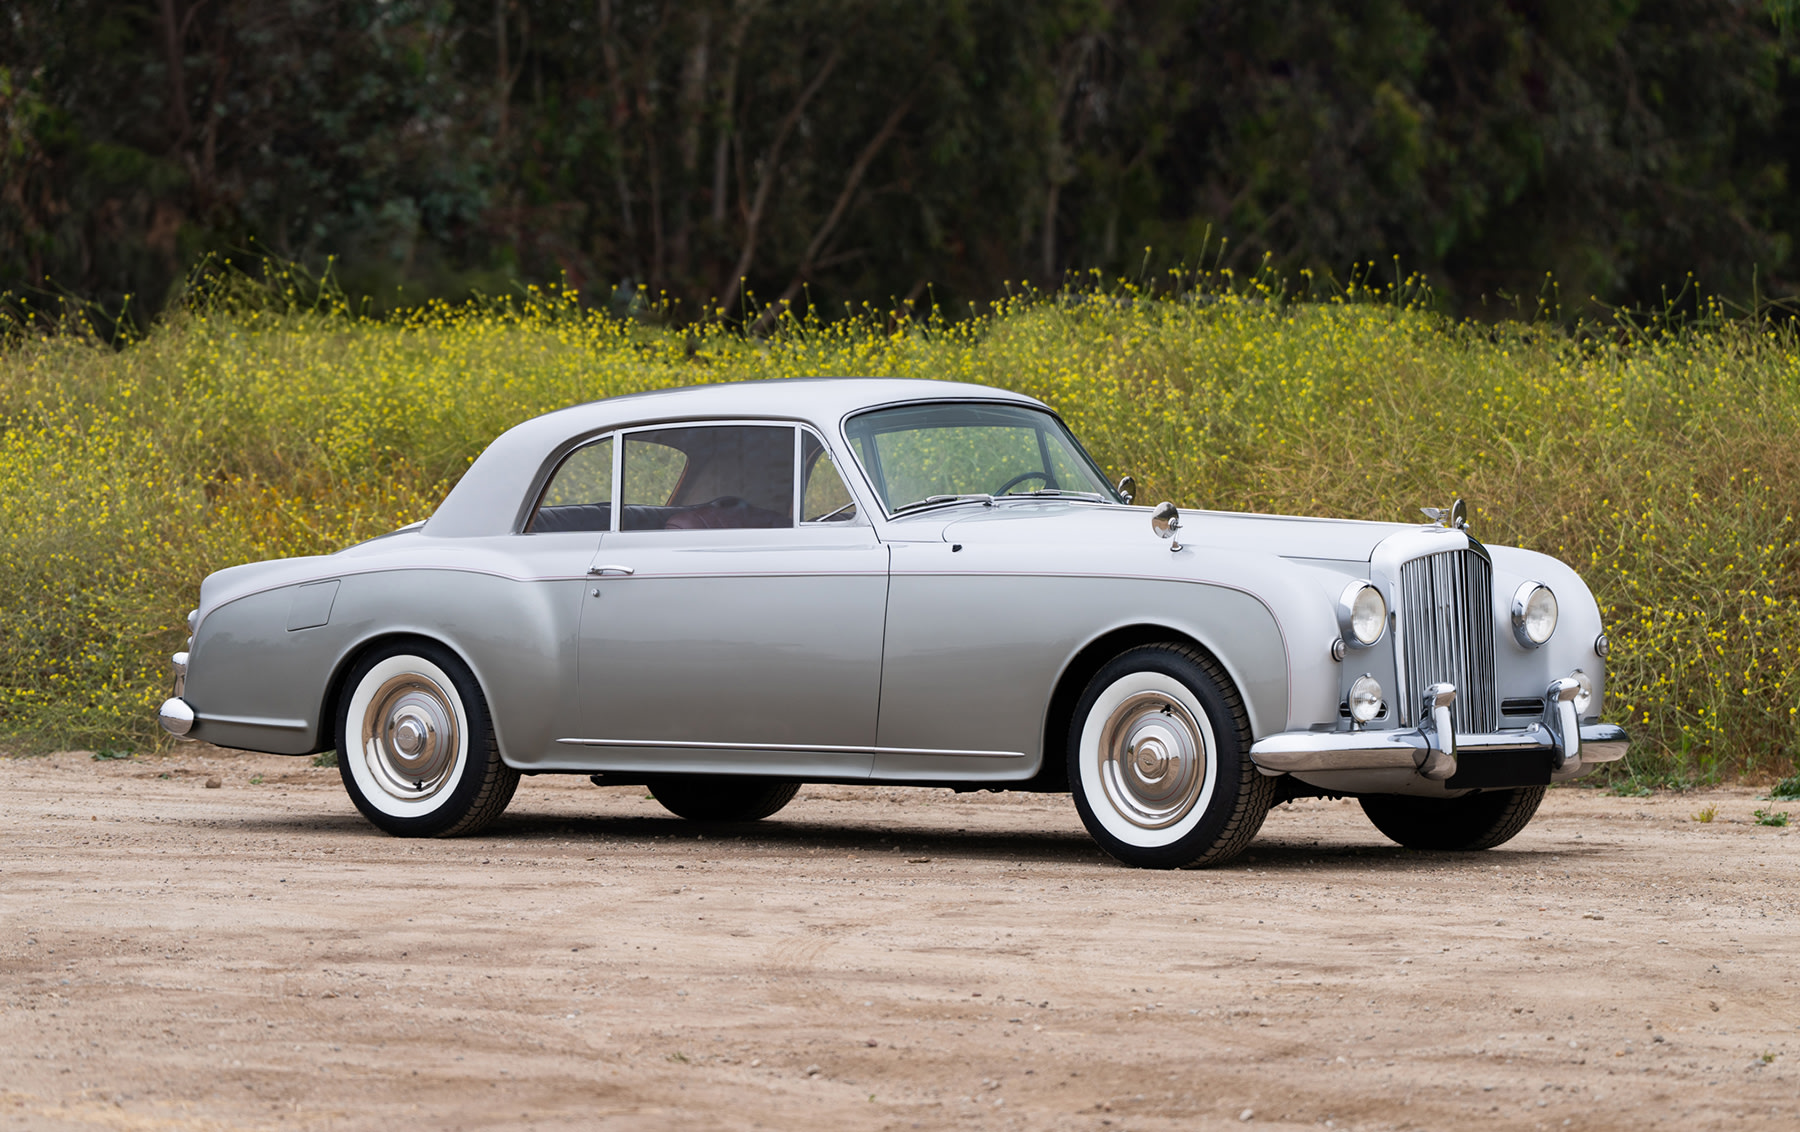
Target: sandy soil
(256, 956)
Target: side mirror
(1165, 520)
(1127, 488)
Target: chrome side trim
(811, 749)
(255, 721)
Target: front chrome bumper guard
(177, 715)
(1432, 747)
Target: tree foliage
(867, 150)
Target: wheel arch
(337, 684)
(1053, 775)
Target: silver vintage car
(726, 591)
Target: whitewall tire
(1159, 760)
(415, 745)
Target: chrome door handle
(598, 570)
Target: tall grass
(1660, 462)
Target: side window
(652, 470)
(708, 477)
(579, 497)
(823, 496)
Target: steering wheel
(1021, 478)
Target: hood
(1061, 521)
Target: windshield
(919, 454)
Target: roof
(486, 501)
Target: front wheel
(1474, 821)
(722, 797)
(1159, 761)
(415, 745)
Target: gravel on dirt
(257, 956)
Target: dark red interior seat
(728, 512)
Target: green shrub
(1659, 462)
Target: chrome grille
(1447, 634)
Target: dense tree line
(868, 149)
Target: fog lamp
(1365, 698)
(1585, 695)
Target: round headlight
(1365, 698)
(1533, 614)
(1362, 614)
(1585, 696)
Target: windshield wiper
(980, 497)
(1053, 492)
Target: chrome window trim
(547, 472)
(869, 478)
(555, 464)
(667, 426)
(837, 464)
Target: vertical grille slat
(1447, 626)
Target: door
(734, 618)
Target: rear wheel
(416, 748)
(699, 797)
(1474, 821)
(1159, 761)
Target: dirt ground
(255, 955)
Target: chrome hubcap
(409, 736)
(1152, 760)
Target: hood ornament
(1454, 518)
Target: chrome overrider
(1432, 747)
(176, 715)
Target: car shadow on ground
(908, 843)
(1278, 856)
(775, 835)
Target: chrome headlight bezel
(1534, 614)
(1360, 607)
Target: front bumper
(1432, 748)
